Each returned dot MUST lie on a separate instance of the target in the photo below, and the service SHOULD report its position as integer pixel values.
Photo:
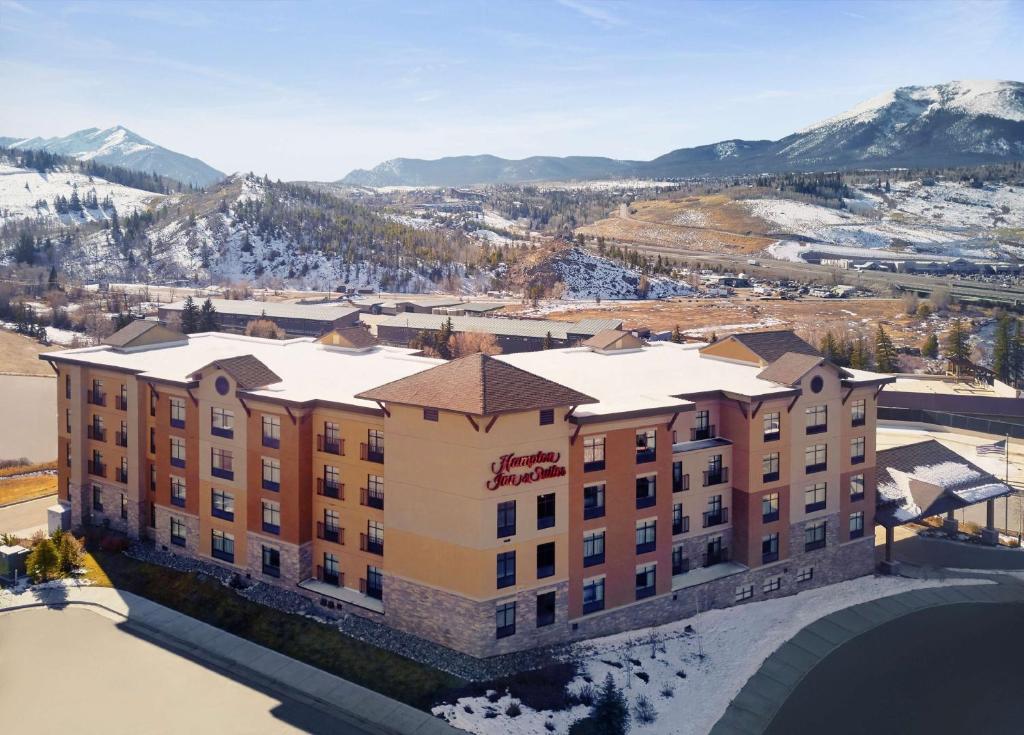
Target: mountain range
(953, 124)
(118, 146)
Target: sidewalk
(344, 700)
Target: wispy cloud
(15, 6)
(598, 13)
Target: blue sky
(313, 89)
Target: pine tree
(52, 283)
(957, 346)
(189, 317)
(208, 317)
(1002, 353)
(43, 562)
(930, 348)
(548, 343)
(860, 354)
(829, 347)
(443, 338)
(677, 336)
(610, 713)
(885, 352)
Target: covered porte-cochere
(927, 479)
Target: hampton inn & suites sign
(517, 469)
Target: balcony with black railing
(680, 483)
(680, 565)
(700, 433)
(767, 557)
(121, 403)
(716, 477)
(646, 454)
(716, 517)
(681, 525)
(375, 591)
(121, 474)
(121, 438)
(719, 556)
(97, 468)
(328, 577)
(371, 545)
(371, 453)
(330, 445)
(371, 498)
(330, 488)
(96, 398)
(96, 433)
(334, 534)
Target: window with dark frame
(815, 497)
(506, 518)
(857, 524)
(593, 595)
(856, 488)
(506, 572)
(646, 536)
(505, 620)
(271, 558)
(814, 536)
(769, 548)
(771, 425)
(545, 609)
(646, 577)
(545, 511)
(593, 501)
(593, 548)
(593, 453)
(547, 416)
(769, 507)
(545, 560)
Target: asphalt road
(947, 669)
(72, 670)
(23, 519)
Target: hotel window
(153, 400)
(332, 526)
(770, 467)
(124, 507)
(223, 546)
(702, 428)
(374, 537)
(122, 470)
(271, 561)
(769, 548)
(856, 488)
(96, 429)
(646, 490)
(177, 531)
(769, 507)
(222, 422)
(122, 398)
(545, 511)
(430, 414)
(96, 466)
(545, 609)
(178, 413)
(857, 450)
(816, 458)
(374, 492)
(152, 478)
(858, 412)
(593, 595)
(547, 417)
(67, 387)
(506, 573)
(69, 455)
(178, 491)
(645, 581)
(506, 518)
(97, 498)
(330, 572)
(271, 516)
(96, 396)
(857, 524)
(772, 426)
(804, 574)
(375, 445)
(505, 620)
(177, 451)
(374, 583)
(593, 453)
(593, 548)
(152, 440)
(67, 421)
(271, 431)
(593, 501)
(715, 515)
(817, 419)
(646, 445)
(814, 536)
(222, 463)
(744, 592)
(545, 560)
(680, 564)
(680, 523)
(715, 474)
(331, 482)
(815, 497)
(330, 442)
(121, 439)
(680, 482)
(222, 505)
(772, 584)
(271, 473)
(646, 536)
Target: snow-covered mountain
(118, 146)
(953, 124)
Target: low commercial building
(512, 335)
(490, 504)
(306, 320)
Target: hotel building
(490, 504)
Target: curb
(751, 712)
(237, 669)
(29, 500)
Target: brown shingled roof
(247, 370)
(141, 333)
(356, 338)
(770, 346)
(479, 385)
(789, 368)
(613, 339)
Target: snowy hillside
(584, 275)
(27, 194)
(118, 146)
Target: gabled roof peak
(247, 370)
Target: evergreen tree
(829, 347)
(930, 348)
(190, 317)
(860, 354)
(957, 346)
(25, 250)
(547, 344)
(885, 352)
(1002, 353)
(52, 283)
(610, 713)
(677, 336)
(43, 561)
(444, 336)
(208, 317)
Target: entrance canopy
(928, 479)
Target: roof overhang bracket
(245, 405)
(290, 414)
(879, 390)
(56, 370)
(154, 390)
(847, 396)
(673, 421)
(487, 429)
(195, 401)
(789, 408)
(383, 408)
(741, 406)
(570, 413)
(572, 440)
(757, 407)
(474, 424)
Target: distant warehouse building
(513, 335)
(304, 320)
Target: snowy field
(588, 276)
(690, 691)
(21, 190)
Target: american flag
(998, 448)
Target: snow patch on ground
(589, 276)
(735, 642)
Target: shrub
(644, 711)
(468, 710)
(69, 550)
(43, 562)
(643, 676)
(490, 714)
(8, 539)
(681, 674)
(668, 691)
(549, 726)
(493, 696)
(513, 709)
(586, 695)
